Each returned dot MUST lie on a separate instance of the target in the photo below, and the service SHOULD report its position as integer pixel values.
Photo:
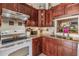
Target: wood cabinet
(36, 46)
(70, 48)
(45, 48)
(48, 18)
(72, 8)
(44, 18)
(49, 47)
(25, 9)
(41, 17)
(0, 8)
(55, 47)
(35, 17)
(21, 8)
(10, 6)
(60, 48)
(59, 10)
(65, 9)
(0, 21)
(30, 23)
(33, 20)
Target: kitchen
(39, 29)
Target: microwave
(33, 32)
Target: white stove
(18, 48)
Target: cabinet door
(60, 48)
(51, 48)
(68, 48)
(34, 47)
(35, 17)
(39, 45)
(72, 9)
(60, 51)
(59, 10)
(48, 18)
(75, 46)
(21, 8)
(0, 21)
(44, 45)
(67, 51)
(11, 6)
(55, 46)
(0, 8)
(41, 18)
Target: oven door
(21, 52)
(19, 48)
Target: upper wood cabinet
(33, 20)
(11, 6)
(0, 8)
(21, 8)
(0, 21)
(41, 17)
(25, 9)
(72, 9)
(59, 10)
(65, 9)
(48, 18)
(30, 22)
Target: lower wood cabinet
(36, 46)
(54, 47)
(60, 48)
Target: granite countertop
(77, 41)
(49, 36)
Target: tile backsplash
(45, 30)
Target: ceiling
(42, 5)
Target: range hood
(12, 14)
